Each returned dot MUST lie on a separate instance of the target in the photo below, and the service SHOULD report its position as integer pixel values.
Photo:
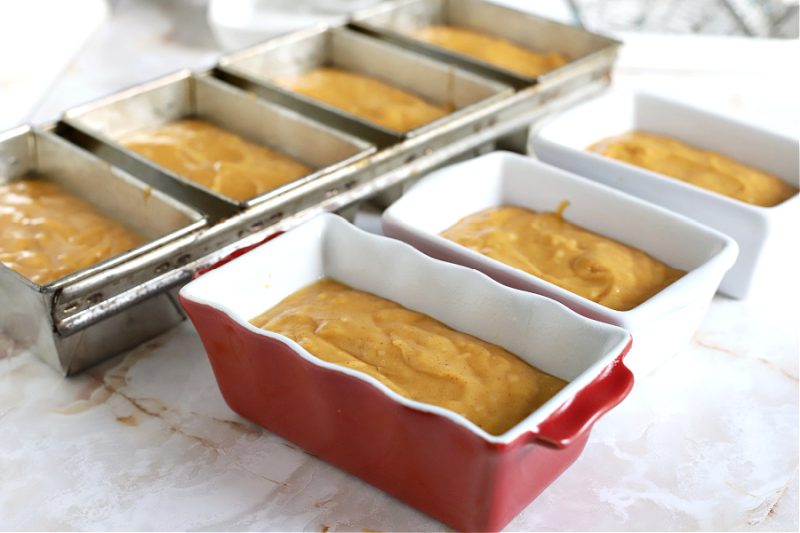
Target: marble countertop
(709, 441)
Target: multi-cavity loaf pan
(32, 314)
(87, 316)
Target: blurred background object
(238, 23)
(752, 18)
(89, 48)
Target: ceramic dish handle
(576, 416)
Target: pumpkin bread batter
(46, 233)
(708, 170)
(493, 50)
(365, 97)
(216, 158)
(412, 354)
(547, 246)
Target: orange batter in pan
(47, 233)
(709, 170)
(547, 246)
(216, 158)
(366, 97)
(412, 354)
(494, 50)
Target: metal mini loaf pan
(101, 305)
(323, 46)
(100, 125)
(395, 20)
(29, 312)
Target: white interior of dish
(620, 112)
(500, 178)
(540, 331)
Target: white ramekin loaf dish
(660, 326)
(759, 231)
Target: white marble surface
(26, 77)
(707, 442)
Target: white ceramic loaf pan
(660, 326)
(759, 231)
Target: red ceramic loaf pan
(427, 456)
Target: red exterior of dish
(426, 460)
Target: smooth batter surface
(46, 233)
(365, 97)
(547, 246)
(412, 354)
(494, 50)
(709, 170)
(216, 158)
